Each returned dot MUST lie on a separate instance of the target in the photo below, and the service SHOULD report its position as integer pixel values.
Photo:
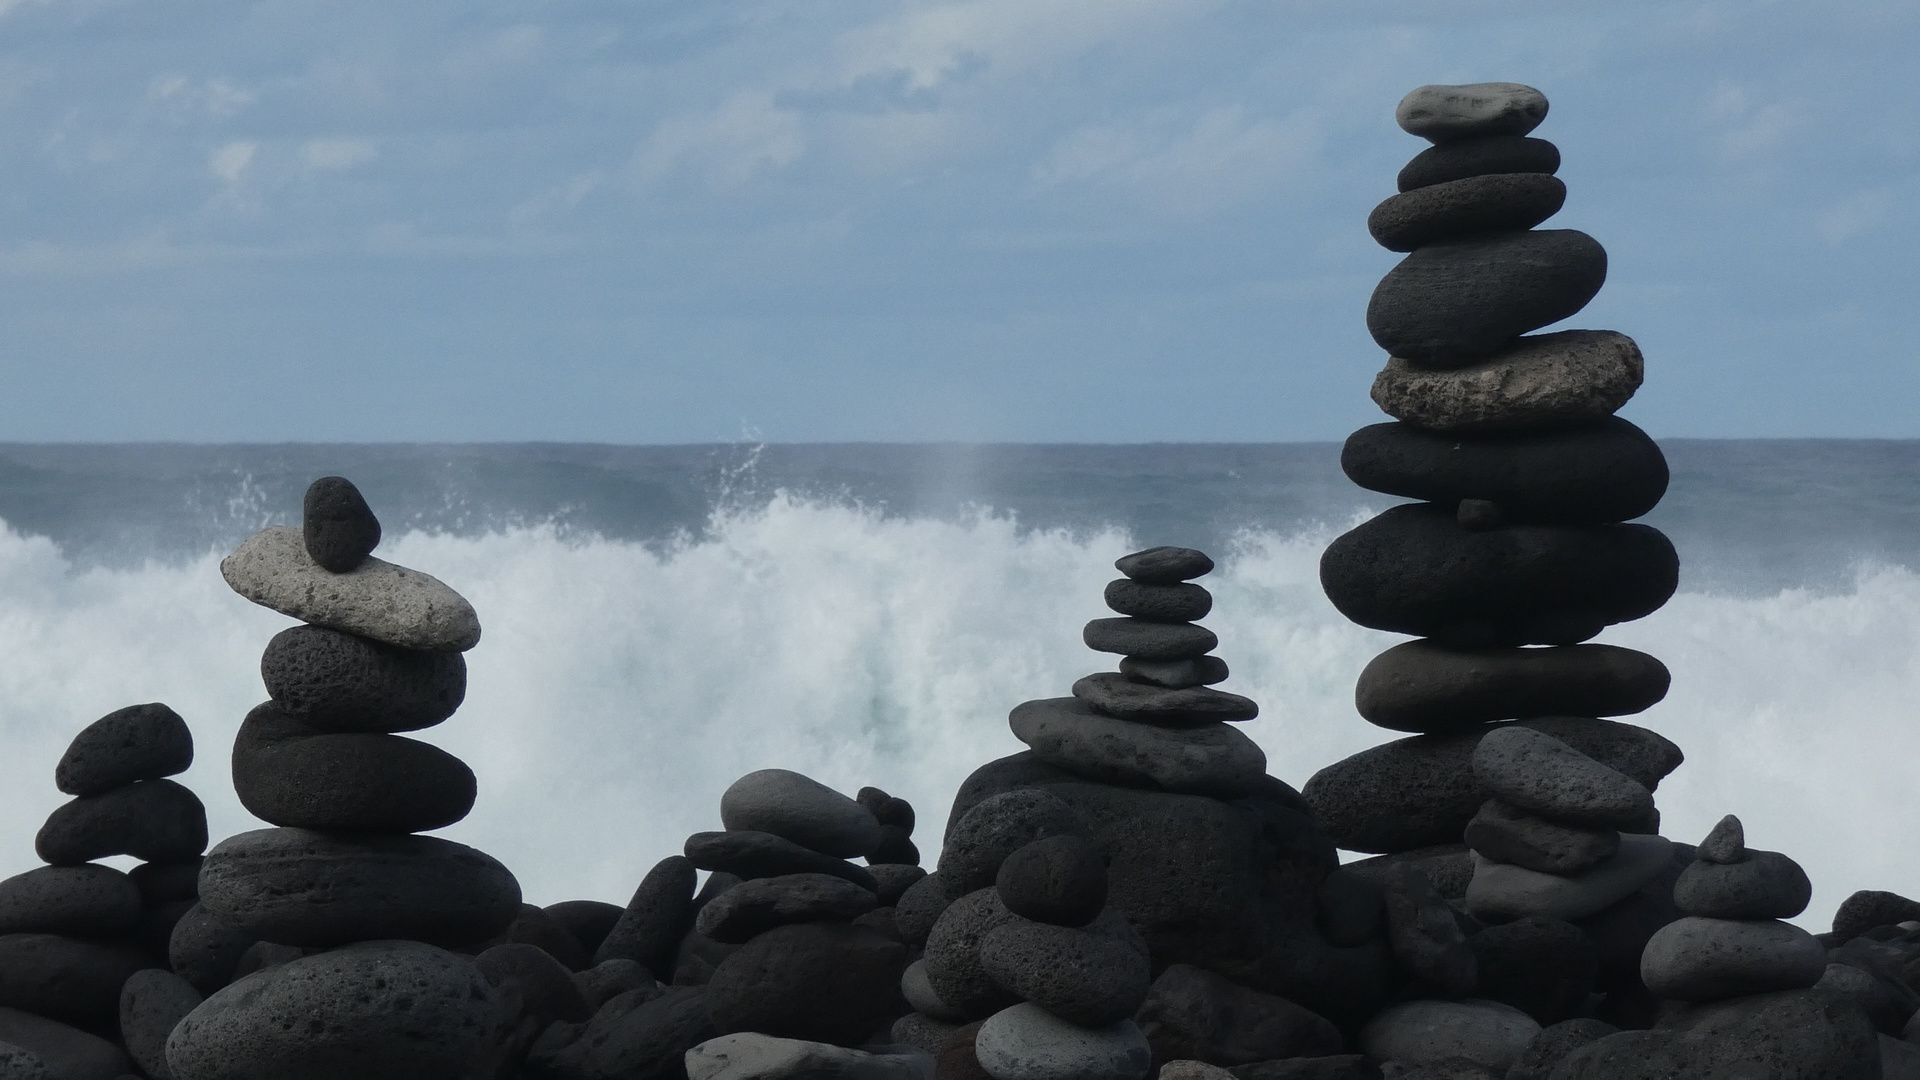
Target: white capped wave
(620, 687)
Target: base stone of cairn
(351, 915)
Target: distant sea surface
(659, 620)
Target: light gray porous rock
(1025, 1042)
(801, 809)
(1211, 759)
(1700, 959)
(1502, 891)
(918, 989)
(1546, 380)
(1537, 772)
(749, 1055)
(1424, 1032)
(377, 599)
(1440, 113)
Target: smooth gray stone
(1537, 383)
(344, 682)
(1506, 834)
(655, 920)
(954, 968)
(1214, 759)
(1725, 844)
(750, 855)
(151, 1003)
(1194, 1013)
(800, 809)
(1164, 565)
(139, 742)
(65, 1053)
(754, 907)
(1422, 686)
(749, 1055)
(1698, 959)
(300, 887)
(1443, 114)
(1501, 891)
(374, 1011)
(1082, 975)
(1423, 1032)
(289, 773)
(1538, 772)
(1488, 155)
(1179, 603)
(1059, 879)
(337, 525)
(917, 987)
(65, 978)
(1149, 640)
(1447, 305)
(1176, 674)
(376, 599)
(1025, 1042)
(89, 900)
(1467, 207)
(919, 1029)
(1764, 885)
(1115, 695)
(151, 820)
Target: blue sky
(993, 220)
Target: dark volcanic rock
(1415, 570)
(1118, 696)
(589, 921)
(1091, 976)
(1426, 687)
(1539, 773)
(1448, 304)
(982, 838)
(1543, 967)
(300, 887)
(88, 900)
(1554, 1044)
(1149, 640)
(1192, 1014)
(204, 948)
(895, 879)
(1326, 1067)
(954, 967)
(649, 1040)
(827, 982)
(337, 524)
(886, 809)
(921, 906)
(754, 907)
(1425, 934)
(1060, 880)
(1588, 475)
(658, 916)
(414, 1012)
(543, 985)
(1508, 834)
(752, 855)
(801, 809)
(344, 682)
(896, 848)
(1164, 565)
(1486, 156)
(36, 1048)
(164, 881)
(1176, 674)
(1798, 1034)
(139, 742)
(1183, 602)
(153, 820)
(1870, 908)
(65, 978)
(1501, 202)
(1449, 113)
(1421, 791)
(289, 773)
(1764, 885)
(1211, 758)
(151, 1003)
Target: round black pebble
(344, 682)
(1060, 880)
(337, 524)
(139, 742)
(1164, 565)
(287, 773)
(1487, 156)
(1449, 304)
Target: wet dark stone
(1164, 565)
(1456, 209)
(1184, 602)
(289, 773)
(756, 855)
(1058, 879)
(827, 982)
(337, 524)
(152, 820)
(87, 901)
(1487, 156)
(1149, 640)
(1423, 686)
(139, 742)
(1448, 304)
(65, 978)
(344, 682)
(1587, 475)
(1415, 570)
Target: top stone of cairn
(337, 524)
(1165, 565)
(1443, 114)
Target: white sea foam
(619, 688)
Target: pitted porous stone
(1211, 759)
(152, 1004)
(1540, 773)
(1543, 381)
(1149, 640)
(377, 599)
(1447, 305)
(337, 525)
(139, 742)
(749, 1055)
(1763, 885)
(1426, 1032)
(1699, 959)
(66, 978)
(1164, 565)
(36, 1048)
(344, 682)
(753, 907)
(1426, 687)
(954, 968)
(1508, 834)
(1182, 602)
(152, 820)
(801, 809)
(1176, 674)
(1459, 208)
(89, 900)
(1501, 891)
(1489, 155)
(1442, 114)
(1025, 1042)
(1726, 844)
(749, 854)
(1115, 695)
(1084, 976)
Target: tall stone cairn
(1516, 552)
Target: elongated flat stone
(1542, 381)
(1450, 304)
(1442, 113)
(749, 854)
(1503, 891)
(1486, 156)
(1117, 696)
(1537, 772)
(377, 599)
(1149, 640)
(1213, 759)
(1426, 687)
(1462, 208)
(1701, 959)
(1176, 674)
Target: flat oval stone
(1175, 674)
(1428, 1032)
(288, 773)
(1415, 570)
(1537, 772)
(377, 599)
(749, 1055)
(1505, 833)
(1115, 695)
(1763, 885)
(1058, 879)
(337, 525)
(1485, 156)
(153, 820)
(1457, 209)
(1025, 1042)
(1149, 640)
(1425, 687)
(37, 1048)
(344, 682)
(825, 982)
(1698, 959)
(1211, 759)
(802, 810)
(1079, 975)
(1449, 304)
(1164, 565)
(66, 978)
(1443, 114)
(1183, 602)
(1504, 891)
(139, 742)
(751, 854)
(379, 1010)
(1594, 474)
(300, 887)
(754, 907)
(1540, 382)
(89, 900)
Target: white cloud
(1854, 215)
(218, 97)
(1748, 127)
(230, 162)
(1186, 165)
(336, 154)
(727, 146)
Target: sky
(902, 220)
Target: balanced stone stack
(360, 909)
(73, 933)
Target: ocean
(659, 620)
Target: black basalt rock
(153, 820)
(344, 682)
(656, 918)
(139, 742)
(826, 982)
(289, 773)
(1486, 156)
(1426, 687)
(1448, 304)
(1164, 565)
(1457, 209)
(337, 524)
